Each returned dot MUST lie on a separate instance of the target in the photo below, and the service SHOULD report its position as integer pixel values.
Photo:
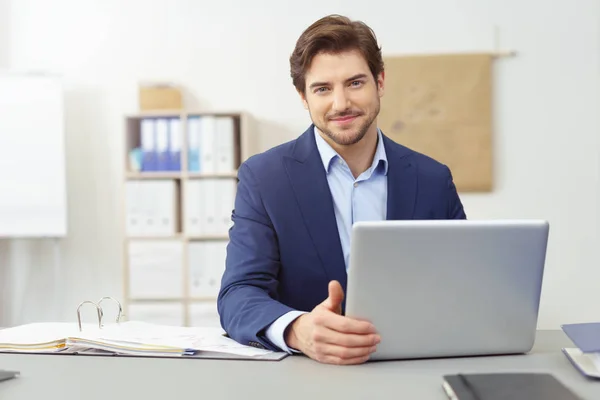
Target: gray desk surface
(102, 378)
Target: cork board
(441, 105)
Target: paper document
(38, 337)
(126, 338)
(586, 356)
(584, 363)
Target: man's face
(342, 96)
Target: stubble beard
(346, 137)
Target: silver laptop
(447, 288)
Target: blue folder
(586, 336)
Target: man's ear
(303, 99)
(381, 83)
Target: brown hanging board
(441, 105)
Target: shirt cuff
(276, 331)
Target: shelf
(178, 175)
(207, 237)
(182, 219)
(200, 175)
(173, 300)
(202, 299)
(150, 237)
(153, 175)
(183, 113)
(159, 300)
(175, 113)
(181, 237)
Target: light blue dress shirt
(360, 199)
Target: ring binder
(119, 315)
(99, 310)
(126, 338)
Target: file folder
(582, 362)
(224, 145)
(162, 144)
(151, 208)
(193, 141)
(193, 204)
(174, 144)
(586, 357)
(148, 142)
(156, 269)
(586, 336)
(126, 338)
(206, 267)
(226, 191)
(208, 134)
(209, 204)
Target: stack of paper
(36, 338)
(139, 337)
(127, 338)
(65, 337)
(586, 357)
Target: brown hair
(334, 34)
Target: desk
(103, 378)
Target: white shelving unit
(172, 276)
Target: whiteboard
(33, 198)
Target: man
(283, 287)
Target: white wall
(4, 32)
(234, 55)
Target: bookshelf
(172, 268)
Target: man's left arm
(455, 207)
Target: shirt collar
(328, 154)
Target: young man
(283, 288)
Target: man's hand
(328, 337)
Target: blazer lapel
(402, 182)
(309, 182)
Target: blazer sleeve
(248, 299)
(454, 204)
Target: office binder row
(152, 207)
(160, 144)
(210, 145)
(163, 272)
(156, 268)
(208, 204)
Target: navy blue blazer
(284, 245)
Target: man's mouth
(345, 118)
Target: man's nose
(340, 101)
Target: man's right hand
(328, 337)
